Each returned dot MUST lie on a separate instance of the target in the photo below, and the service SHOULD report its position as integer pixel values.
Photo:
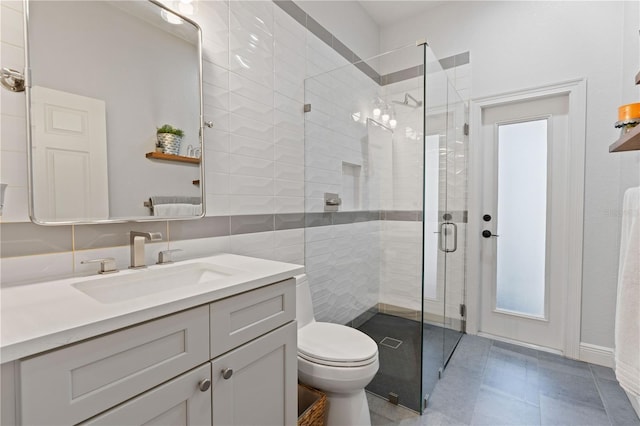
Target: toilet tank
(304, 306)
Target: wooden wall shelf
(628, 142)
(171, 157)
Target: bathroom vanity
(219, 350)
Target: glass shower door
(444, 222)
(454, 217)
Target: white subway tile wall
(342, 261)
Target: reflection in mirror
(115, 112)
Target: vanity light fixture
(376, 113)
(393, 123)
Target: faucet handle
(165, 256)
(107, 265)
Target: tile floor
(494, 383)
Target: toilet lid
(334, 344)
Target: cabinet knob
(227, 373)
(204, 385)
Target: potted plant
(169, 139)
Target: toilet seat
(336, 345)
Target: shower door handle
(442, 232)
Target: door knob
(227, 373)
(204, 385)
(487, 234)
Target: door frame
(577, 92)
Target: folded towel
(627, 329)
(177, 209)
(174, 199)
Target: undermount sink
(145, 282)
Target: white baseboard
(595, 354)
(635, 402)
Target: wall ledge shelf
(171, 157)
(628, 142)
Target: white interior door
(70, 152)
(524, 221)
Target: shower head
(408, 97)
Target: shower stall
(385, 211)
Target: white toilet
(336, 359)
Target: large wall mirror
(106, 77)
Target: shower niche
(350, 193)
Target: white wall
(349, 22)
(518, 45)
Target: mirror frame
(30, 167)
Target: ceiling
(386, 12)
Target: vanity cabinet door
(256, 384)
(179, 402)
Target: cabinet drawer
(74, 383)
(239, 319)
(177, 402)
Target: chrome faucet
(136, 240)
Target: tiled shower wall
(401, 265)
(342, 259)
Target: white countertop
(43, 316)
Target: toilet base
(348, 409)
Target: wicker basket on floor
(311, 406)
